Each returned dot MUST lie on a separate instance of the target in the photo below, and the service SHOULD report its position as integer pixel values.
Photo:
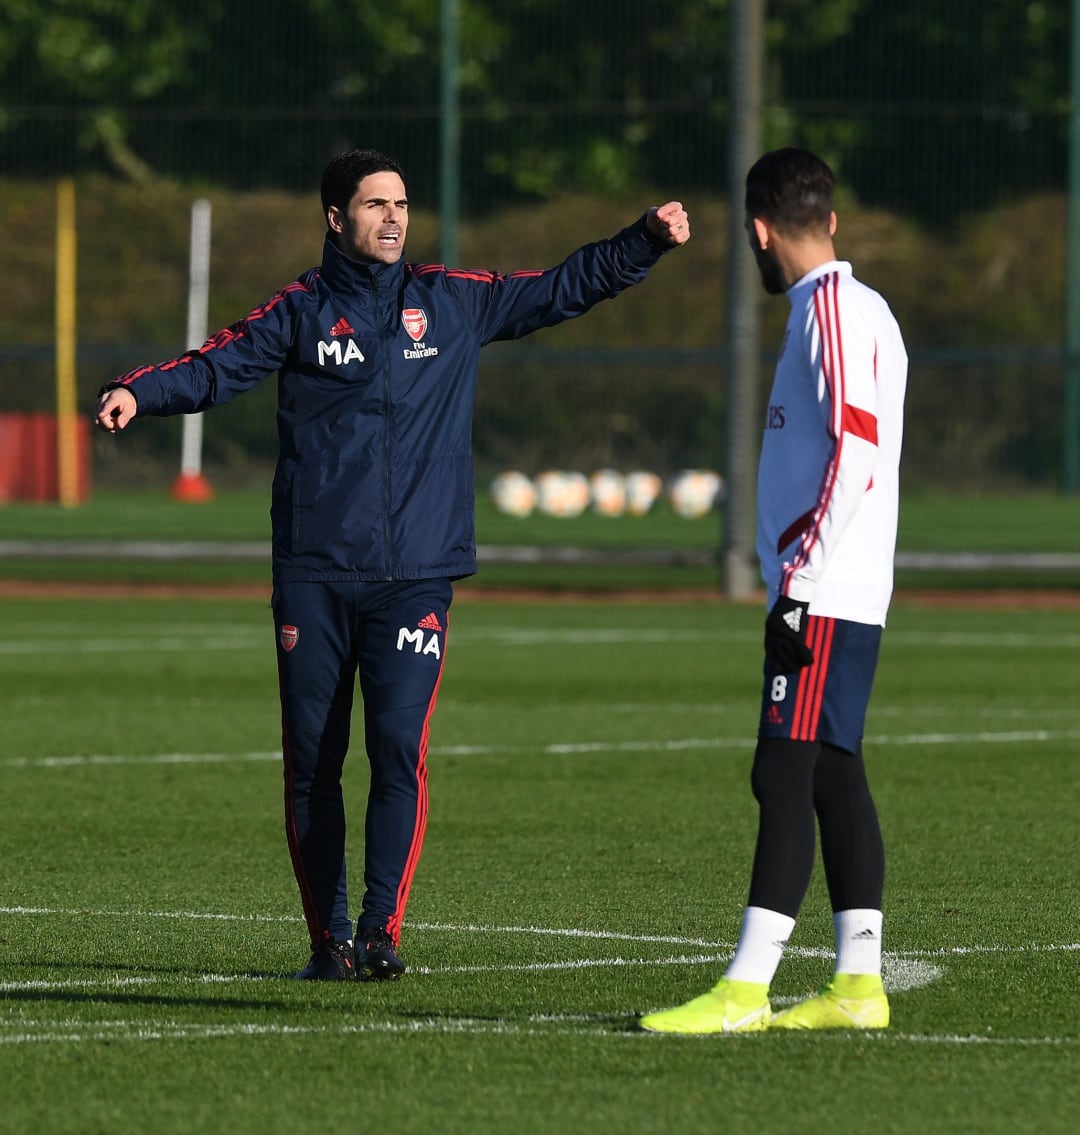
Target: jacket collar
(349, 277)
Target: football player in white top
(828, 491)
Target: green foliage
(556, 96)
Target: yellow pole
(66, 435)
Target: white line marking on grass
(903, 970)
(1010, 737)
(540, 931)
(1014, 736)
(966, 639)
(554, 932)
(135, 914)
(91, 1031)
(78, 760)
(571, 636)
(964, 951)
(576, 963)
(81, 1032)
(559, 636)
(169, 645)
(900, 973)
(246, 637)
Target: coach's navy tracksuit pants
(393, 635)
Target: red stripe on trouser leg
(393, 925)
(316, 930)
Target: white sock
(762, 939)
(858, 941)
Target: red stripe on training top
(827, 317)
(794, 530)
(480, 275)
(221, 338)
(861, 423)
(393, 925)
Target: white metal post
(191, 485)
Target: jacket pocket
(337, 515)
(433, 512)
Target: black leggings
(794, 781)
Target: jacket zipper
(387, 402)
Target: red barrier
(28, 458)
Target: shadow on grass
(77, 997)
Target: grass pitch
(588, 847)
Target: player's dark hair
(347, 170)
(792, 190)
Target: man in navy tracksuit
(372, 509)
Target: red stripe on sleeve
(480, 276)
(861, 423)
(794, 529)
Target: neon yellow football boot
(729, 1007)
(849, 1001)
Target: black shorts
(827, 700)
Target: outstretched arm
(508, 307)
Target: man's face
(372, 228)
(772, 279)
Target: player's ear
(334, 219)
(759, 230)
(832, 224)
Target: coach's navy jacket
(376, 378)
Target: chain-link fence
(949, 136)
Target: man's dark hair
(347, 170)
(792, 190)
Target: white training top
(829, 476)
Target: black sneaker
(332, 960)
(376, 958)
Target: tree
(71, 71)
(918, 106)
(937, 109)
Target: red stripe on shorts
(810, 692)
